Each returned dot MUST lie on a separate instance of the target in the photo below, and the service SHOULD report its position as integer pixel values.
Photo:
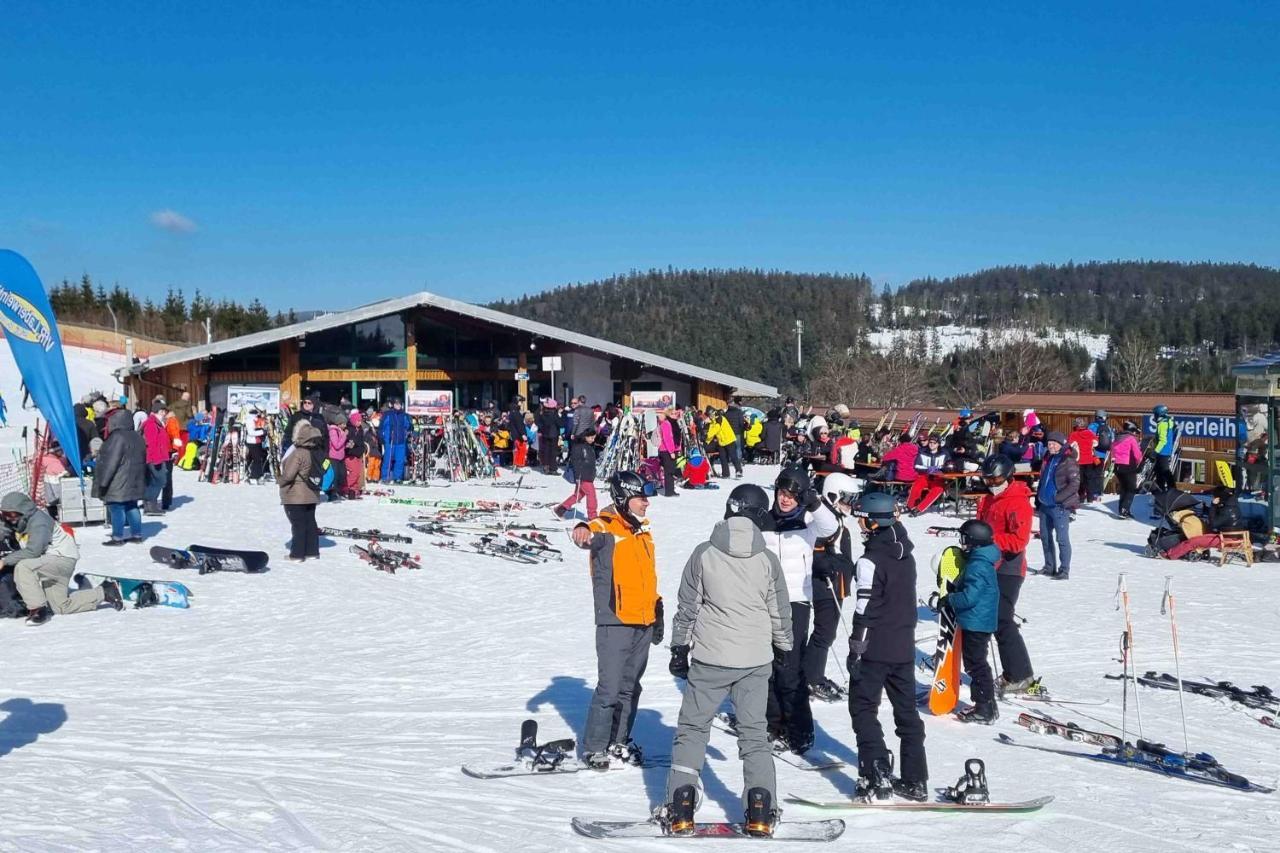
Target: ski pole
(1122, 593)
(840, 619)
(1167, 607)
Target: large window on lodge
(444, 347)
(374, 344)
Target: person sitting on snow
(44, 562)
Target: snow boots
(984, 713)
(761, 816)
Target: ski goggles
(648, 490)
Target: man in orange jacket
(1008, 510)
(624, 583)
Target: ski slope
(329, 706)
(87, 370)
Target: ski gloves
(812, 500)
(658, 631)
(679, 666)
(857, 648)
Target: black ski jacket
(885, 615)
(736, 419)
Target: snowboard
(535, 759)
(205, 563)
(909, 806)
(945, 689)
(804, 830)
(254, 561)
(148, 593)
(726, 722)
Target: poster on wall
(264, 398)
(429, 403)
(652, 401)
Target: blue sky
(324, 155)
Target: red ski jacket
(1009, 514)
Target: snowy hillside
(329, 706)
(950, 338)
(87, 370)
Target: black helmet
(749, 501)
(1130, 426)
(878, 507)
(997, 467)
(625, 485)
(975, 534)
(793, 480)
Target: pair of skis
(385, 559)
(373, 535)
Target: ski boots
(827, 691)
(676, 816)
(971, 788)
(983, 713)
(916, 792)
(1012, 688)
(779, 742)
(761, 816)
(879, 784)
(111, 594)
(628, 753)
(601, 761)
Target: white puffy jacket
(794, 549)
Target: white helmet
(841, 409)
(816, 424)
(838, 488)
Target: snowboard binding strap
(971, 788)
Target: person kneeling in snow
(44, 562)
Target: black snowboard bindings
(971, 788)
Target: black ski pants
(166, 494)
(899, 681)
(826, 619)
(973, 650)
(731, 453)
(306, 536)
(1164, 473)
(1015, 663)
(1127, 477)
(788, 712)
(1091, 477)
(669, 475)
(257, 458)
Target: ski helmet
(793, 480)
(1160, 410)
(625, 485)
(966, 413)
(877, 507)
(997, 468)
(1100, 415)
(839, 488)
(749, 501)
(975, 534)
(1130, 426)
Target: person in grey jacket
(44, 562)
(734, 619)
(120, 477)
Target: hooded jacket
(792, 543)
(157, 438)
(37, 533)
(624, 576)
(885, 615)
(121, 472)
(733, 605)
(1009, 514)
(976, 598)
(298, 467)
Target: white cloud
(172, 220)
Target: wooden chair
(1235, 543)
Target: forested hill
(1230, 306)
(741, 322)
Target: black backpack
(1106, 437)
(11, 604)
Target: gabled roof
(466, 309)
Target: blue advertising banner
(1197, 426)
(32, 332)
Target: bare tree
(1135, 364)
(871, 379)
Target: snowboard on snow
(535, 759)
(207, 560)
(803, 830)
(909, 806)
(148, 593)
(944, 692)
(726, 722)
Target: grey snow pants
(45, 580)
(622, 652)
(748, 689)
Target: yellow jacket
(721, 433)
(755, 433)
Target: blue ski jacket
(395, 428)
(976, 600)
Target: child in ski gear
(733, 619)
(1056, 499)
(300, 490)
(974, 602)
(1083, 440)
(1007, 510)
(928, 484)
(45, 561)
(1166, 444)
(832, 582)
(696, 471)
(1126, 456)
(800, 519)
(882, 654)
(628, 611)
(354, 451)
(582, 459)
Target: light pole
(115, 326)
(799, 338)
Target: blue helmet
(966, 413)
(1160, 410)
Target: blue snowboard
(139, 591)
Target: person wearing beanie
(355, 450)
(1056, 500)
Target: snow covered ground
(329, 706)
(950, 338)
(87, 370)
